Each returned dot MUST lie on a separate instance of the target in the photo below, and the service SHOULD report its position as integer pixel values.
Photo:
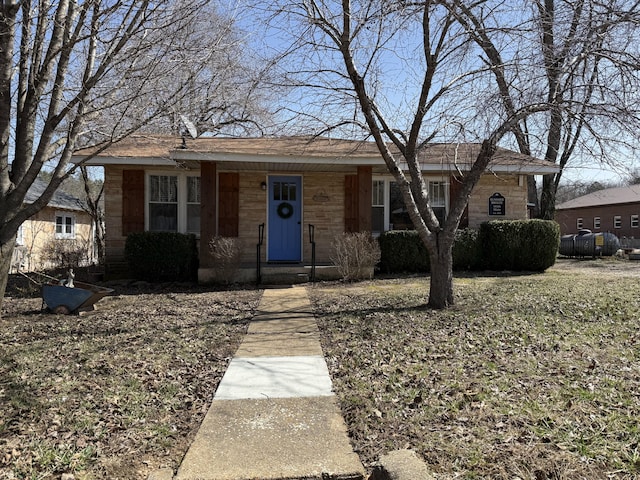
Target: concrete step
(294, 274)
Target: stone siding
(512, 187)
(324, 208)
(253, 212)
(323, 203)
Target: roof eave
(523, 169)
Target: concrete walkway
(274, 415)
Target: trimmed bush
(402, 251)
(467, 254)
(530, 245)
(162, 256)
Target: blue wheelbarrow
(67, 296)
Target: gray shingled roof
(609, 196)
(59, 200)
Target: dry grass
(530, 377)
(115, 393)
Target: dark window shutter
(364, 198)
(229, 204)
(351, 203)
(132, 201)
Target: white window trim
(64, 235)
(182, 196)
(579, 223)
(596, 223)
(617, 221)
(387, 194)
(635, 221)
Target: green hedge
(467, 254)
(530, 245)
(402, 251)
(162, 256)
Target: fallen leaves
(116, 393)
(516, 380)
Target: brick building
(615, 210)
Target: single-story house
(238, 187)
(62, 225)
(614, 210)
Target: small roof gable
(301, 150)
(58, 200)
(609, 196)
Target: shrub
(519, 245)
(355, 255)
(467, 254)
(225, 252)
(499, 245)
(65, 253)
(402, 251)
(162, 256)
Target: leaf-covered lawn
(117, 392)
(531, 377)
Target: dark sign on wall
(497, 204)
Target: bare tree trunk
(441, 283)
(96, 213)
(6, 252)
(100, 239)
(548, 197)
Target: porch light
(263, 185)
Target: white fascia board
(523, 169)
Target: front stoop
(274, 274)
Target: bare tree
(93, 195)
(586, 60)
(65, 67)
(407, 74)
(210, 62)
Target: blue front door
(285, 217)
